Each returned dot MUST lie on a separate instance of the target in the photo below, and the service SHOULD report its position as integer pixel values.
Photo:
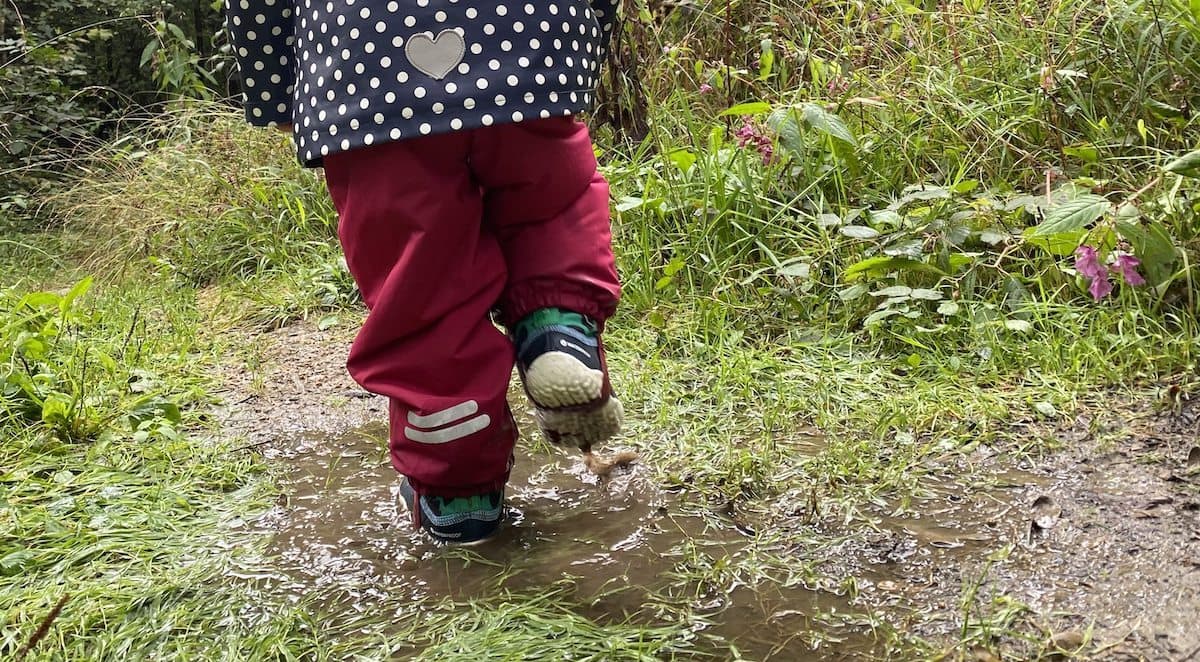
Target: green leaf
(885, 217)
(1045, 409)
(826, 122)
(674, 266)
(40, 300)
(796, 270)
(993, 237)
(893, 291)
(853, 292)
(13, 562)
(56, 409)
(77, 291)
(965, 186)
(1085, 153)
(956, 261)
(829, 220)
(877, 317)
(147, 53)
(1020, 326)
(1153, 246)
(1187, 165)
(859, 231)
(30, 346)
(749, 108)
(1061, 244)
(629, 203)
(783, 122)
(926, 294)
(910, 248)
(948, 308)
(880, 265)
(921, 193)
(683, 159)
(766, 60)
(1073, 215)
(1164, 110)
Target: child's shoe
(461, 520)
(560, 357)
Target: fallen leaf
(981, 654)
(1071, 640)
(946, 544)
(1045, 512)
(602, 466)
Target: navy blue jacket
(351, 73)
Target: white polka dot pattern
(348, 73)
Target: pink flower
(751, 136)
(768, 153)
(1087, 263)
(1126, 265)
(706, 88)
(1100, 288)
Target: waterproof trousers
(446, 235)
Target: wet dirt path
(1095, 548)
(616, 542)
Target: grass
(838, 323)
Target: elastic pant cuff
(530, 297)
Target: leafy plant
(50, 376)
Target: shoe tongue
(460, 505)
(540, 319)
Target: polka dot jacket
(352, 73)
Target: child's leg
(410, 222)
(548, 207)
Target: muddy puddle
(628, 552)
(338, 530)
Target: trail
(1095, 547)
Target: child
(466, 191)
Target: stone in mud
(1045, 513)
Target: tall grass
(940, 134)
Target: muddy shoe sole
(582, 428)
(557, 380)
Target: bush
(71, 72)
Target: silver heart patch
(435, 56)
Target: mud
(1095, 547)
(290, 382)
(625, 549)
(1122, 559)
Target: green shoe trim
(547, 317)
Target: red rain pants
(440, 232)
